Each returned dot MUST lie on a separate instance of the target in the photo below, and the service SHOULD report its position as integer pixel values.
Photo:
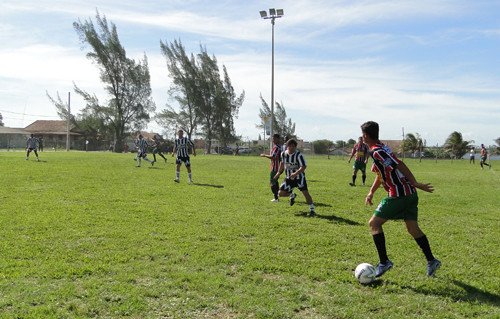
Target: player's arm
(174, 150)
(280, 170)
(409, 176)
(352, 154)
(376, 184)
(298, 172)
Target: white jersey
(32, 142)
(142, 144)
(293, 162)
(182, 146)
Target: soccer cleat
(432, 266)
(165, 161)
(37, 159)
(382, 268)
(275, 200)
(312, 213)
(27, 158)
(138, 166)
(292, 198)
(191, 181)
(135, 159)
(176, 180)
(152, 163)
(352, 184)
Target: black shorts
(141, 154)
(289, 184)
(181, 159)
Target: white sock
(177, 174)
(311, 207)
(189, 174)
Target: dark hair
(291, 142)
(371, 129)
(276, 135)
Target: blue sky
(429, 66)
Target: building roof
(49, 127)
(11, 130)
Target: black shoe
(352, 184)
(292, 198)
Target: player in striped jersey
(294, 164)
(275, 157)
(142, 149)
(360, 149)
(31, 144)
(401, 203)
(181, 147)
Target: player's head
(180, 133)
(276, 138)
(32, 136)
(482, 145)
(291, 145)
(370, 129)
(140, 136)
(360, 139)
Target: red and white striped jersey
(384, 164)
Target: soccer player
(484, 156)
(40, 143)
(142, 149)
(156, 149)
(401, 203)
(294, 164)
(360, 149)
(275, 157)
(472, 155)
(182, 148)
(31, 144)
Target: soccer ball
(364, 273)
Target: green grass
(89, 235)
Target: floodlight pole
(273, 16)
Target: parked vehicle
(223, 150)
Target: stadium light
(273, 15)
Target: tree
(206, 99)
(281, 124)
(351, 142)
(1, 118)
(456, 145)
(322, 146)
(126, 81)
(183, 71)
(412, 143)
(497, 150)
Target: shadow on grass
(209, 185)
(462, 292)
(332, 218)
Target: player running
(294, 164)
(484, 157)
(142, 148)
(31, 144)
(360, 149)
(275, 157)
(156, 149)
(401, 203)
(181, 147)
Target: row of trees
(206, 98)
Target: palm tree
(412, 142)
(456, 145)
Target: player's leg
(36, 154)
(177, 171)
(309, 201)
(188, 168)
(379, 240)
(154, 156)
(354, 174)
(414, 230)
(159, 153)
(28, 154)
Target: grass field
(90, 235)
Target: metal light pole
(273, 15)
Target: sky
(428, 67)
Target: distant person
(401, 203)
(40, 144)
(181, 147)
(157, 149)
(275, 158)
(112, 146)
(472, 155)
(31, 144)
(484, 157)
(360, 149)
(86, 145)
(294, 164)
(142, 150)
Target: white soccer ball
(365, 273)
